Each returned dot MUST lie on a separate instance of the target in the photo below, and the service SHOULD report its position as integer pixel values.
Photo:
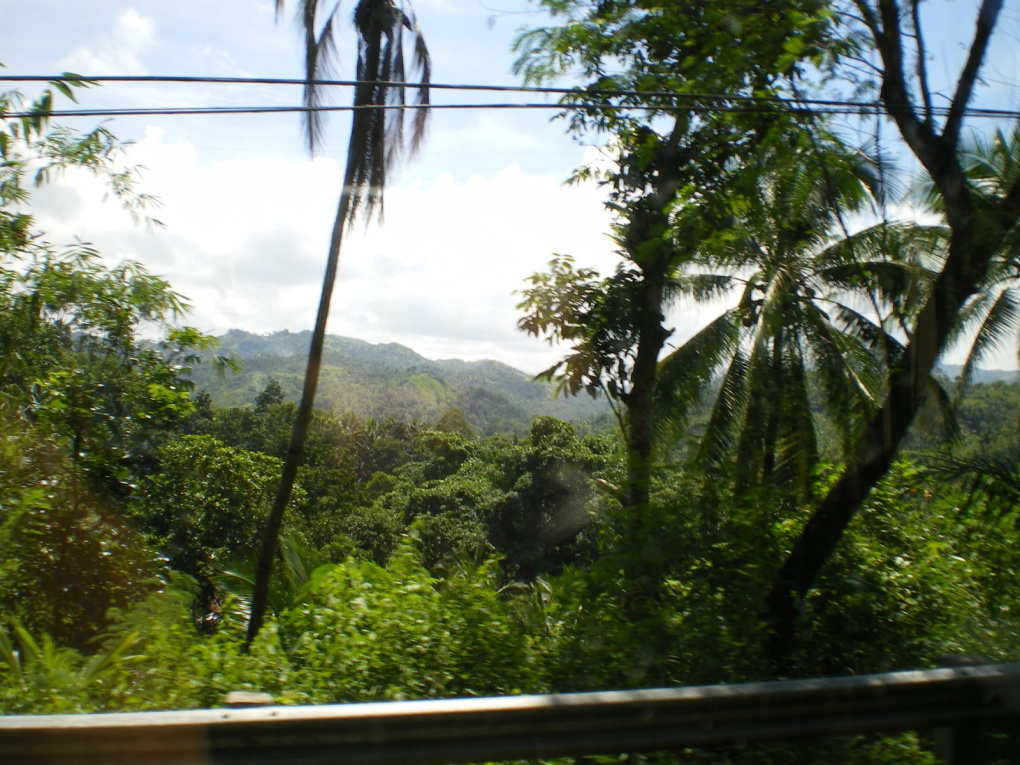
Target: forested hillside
(379, 381)
(794, 490)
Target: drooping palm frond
(889, 267)
(991, 164)
(376, 142)
(942, 407)
(237, 578)
(997, 320)
(698, 287)
(377, 133)
(796, 447)
(850, 373)
(686, 373)
(755, 432)
(729, 406)
(996, 480)
(870, 333)
(320, 58)
(377, 139)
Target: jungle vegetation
(793, 491)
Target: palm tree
(980, 226)
(376, 142)
(811, 305)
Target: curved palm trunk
(303, 417)
(375, 142)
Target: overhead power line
(848, 109)
(680, 102)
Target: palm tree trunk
(303, 418)
(374, 144)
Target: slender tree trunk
(649, 222)
(971, 251)
(651, 337)
(303, 417)
(977, 234)
(640, 539)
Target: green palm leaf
(730, 404)
(999, 322)
(686, 373)
(797, 445)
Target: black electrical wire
(74, 78)
(848, 109)
(689, 102)
(581, 92)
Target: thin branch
(922, 61)
(987, 17)
(920, 136)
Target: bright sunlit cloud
(117, 53)
(245, 241)
(248, 215)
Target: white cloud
(246, 242)
(217, 62)
(117, 52)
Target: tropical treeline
(390, 380)
(792, 491)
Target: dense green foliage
(437, 545)
(82, 401)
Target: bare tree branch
(987, 17)
(922, 62)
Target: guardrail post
(960, 744)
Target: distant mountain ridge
(952, 371)
(390, 380)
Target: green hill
(390, 380)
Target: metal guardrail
(518, 727)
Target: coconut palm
(811, 305)
(979, 225)
(377, 141)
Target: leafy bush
(207, 502)
(44, 678)
(66, 557)
(367, 633)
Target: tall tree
(813, 301)
(678, 175)
(82, 398)
(992, 315)
(70, 325)
(979, 224)
(376, 142)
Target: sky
(247, 211)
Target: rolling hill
(390, 380)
